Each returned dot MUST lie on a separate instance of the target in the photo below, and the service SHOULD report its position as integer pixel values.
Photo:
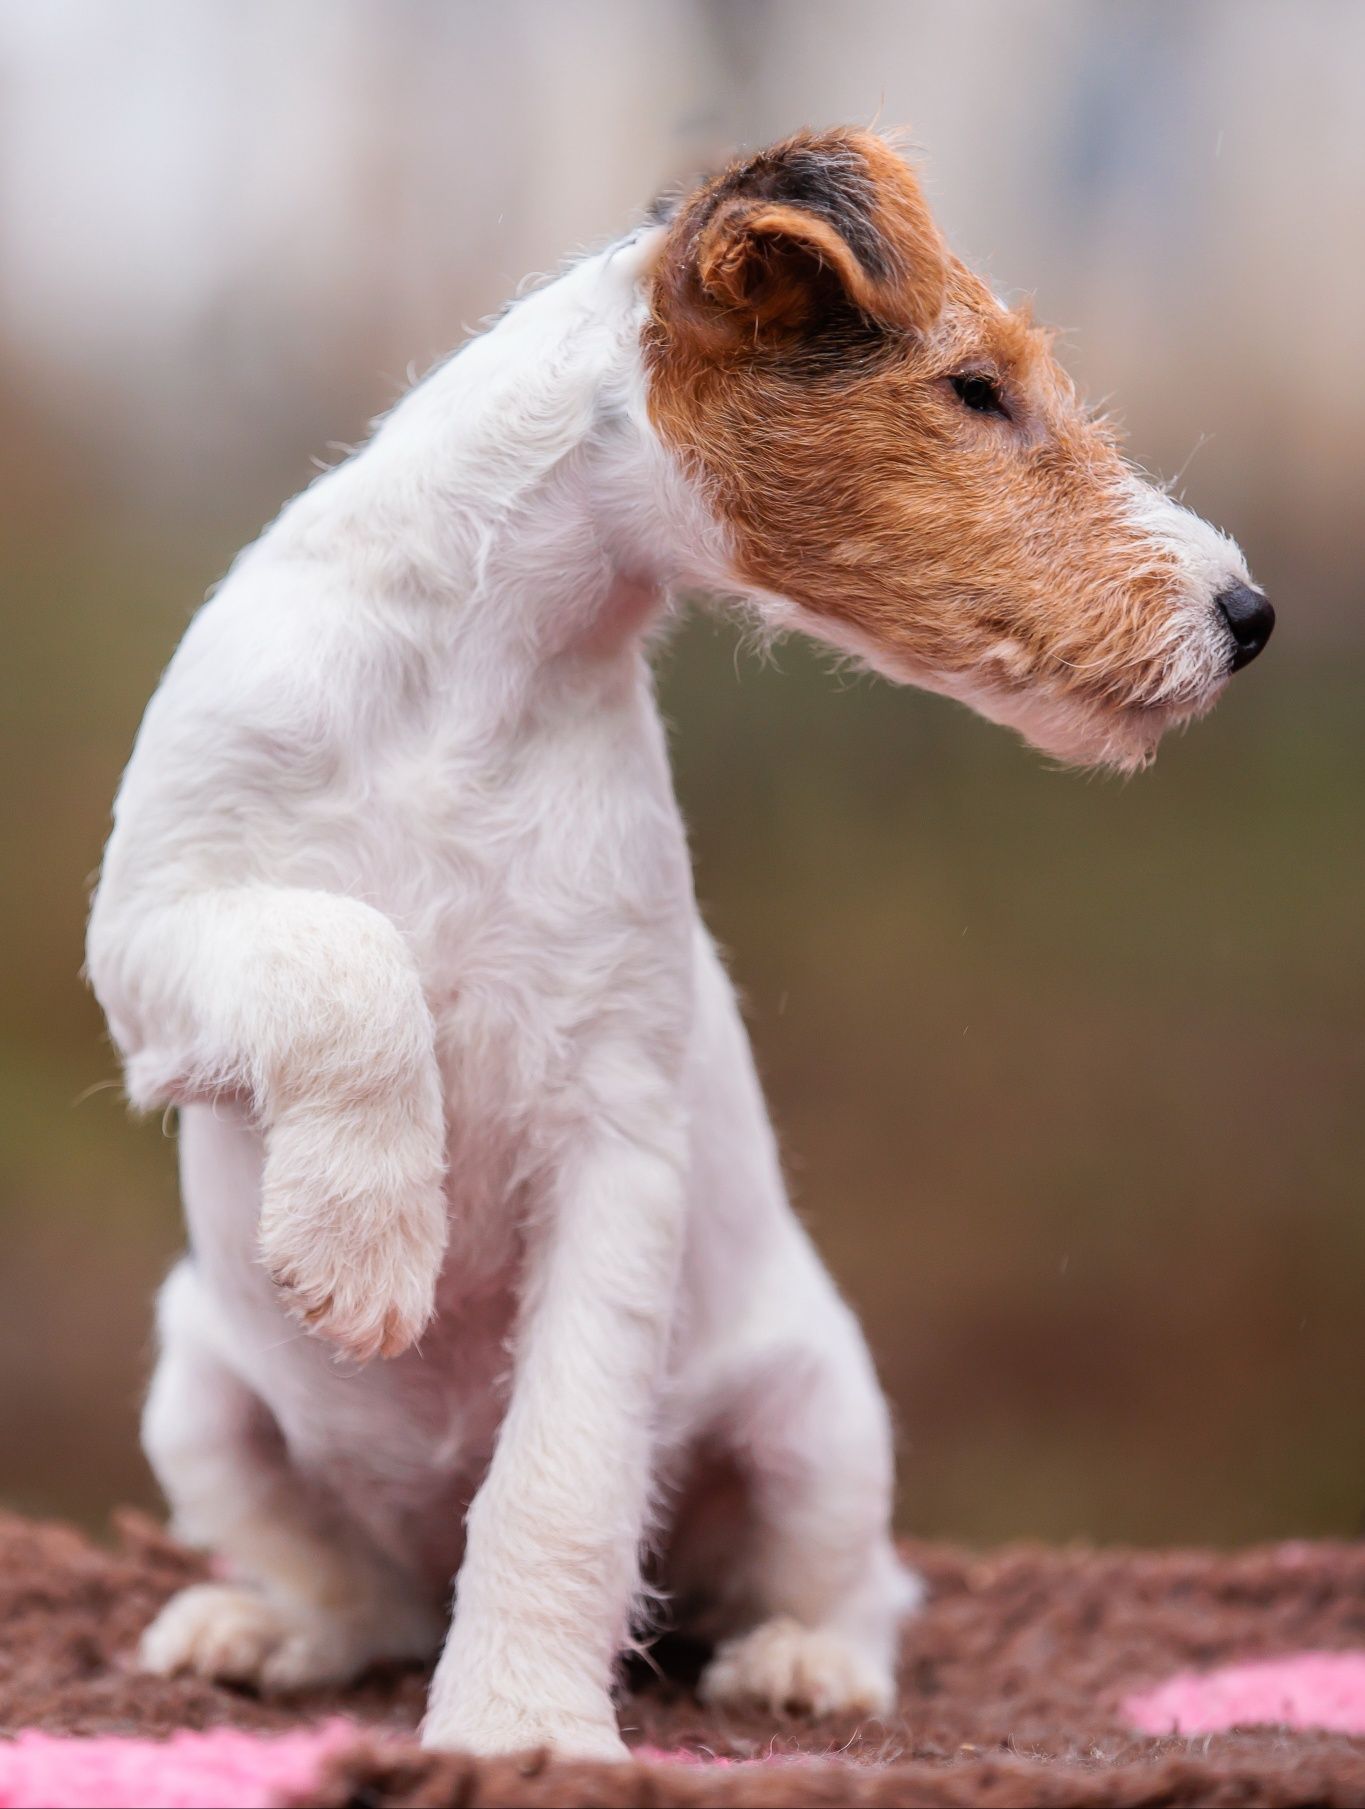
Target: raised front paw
(353, 1227)
(787, 1668)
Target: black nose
(1248, 614)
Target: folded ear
(785, 244)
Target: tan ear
(788, 242)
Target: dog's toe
(788, 1668)
(230, 1634)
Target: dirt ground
(1011, 1687)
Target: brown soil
(1010, 1688)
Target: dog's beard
(1076, 730)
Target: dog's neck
(518, 495)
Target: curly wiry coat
(397, 909)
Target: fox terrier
(492, 1272)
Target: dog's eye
(980, 394)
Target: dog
(493, 1275)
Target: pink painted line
(222, 1768)
(1304, 1690)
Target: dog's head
(900, 465)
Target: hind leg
(820, 1593)
(782, 1386)
(310, 1603)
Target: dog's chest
(544, 884)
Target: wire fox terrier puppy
(493, 1272)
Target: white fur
(397, 908)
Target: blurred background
(1068, 1072)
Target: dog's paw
(787, 1668)
(371, 1296)
(353, 1229)
(235, 1635)
(496, 1728)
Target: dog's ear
(783, 244)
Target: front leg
(309, 1005)
(551, 1565)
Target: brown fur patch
(801, 352)
(776, 244)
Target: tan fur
(813, 399)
